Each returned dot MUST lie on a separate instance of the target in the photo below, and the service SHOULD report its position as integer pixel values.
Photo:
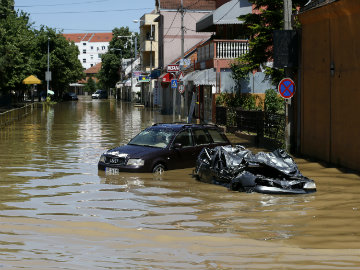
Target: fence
(259, 123)
(13, 115)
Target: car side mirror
(177, 145)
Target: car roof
(179, 126)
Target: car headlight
(310, 185)
(135, 162)
(102, 158)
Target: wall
(330, 122)
(170, 43)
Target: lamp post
(48, 73)
(135, 54)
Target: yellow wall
(330, 104)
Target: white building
(91, 46)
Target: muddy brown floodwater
(58, 212)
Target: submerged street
(57, 211)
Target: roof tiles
(189, 4)
(89, 37)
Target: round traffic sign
(181, 88)
(286, 88)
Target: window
(201, 137)
(84, 60)
(185, 138)
(91, 65)
(91, 57)
(84, 44)
(92, 47)
(103, 47)
(84, 51)
(216, 136)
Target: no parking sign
(286, 88)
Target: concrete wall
(330, 122)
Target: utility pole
(48, 73)
(150, 83)
(182, 96)
(287, 70)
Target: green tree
(65, 66)
(6, 8)
(16, 47)
(260, 29)
(90, 85)
(120, 47)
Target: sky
(85, 16)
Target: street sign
(173, 68)
(286, 88)
(181, 88)
(181, 76)
(184, 63)
(144, 78)
(137, 74)
(174, 83)
(47, 75)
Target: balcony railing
(223, 49)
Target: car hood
(133, 151)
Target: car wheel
(159, 169)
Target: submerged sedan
(162, 147)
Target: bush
(273, 102)
(244, 101)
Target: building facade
(91, 46)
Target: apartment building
(91, 46)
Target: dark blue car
(162, 147)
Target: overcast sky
(81, 16)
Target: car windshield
(98, 92)
(153, 137)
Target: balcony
(222, 49)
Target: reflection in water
(59, 211)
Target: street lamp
(135, 53)
(48, 73)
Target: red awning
(166, 78)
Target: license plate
(114, 160)
(112, 171)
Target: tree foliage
(64, 64)
(23, 52)
(16, 44)
(120, 47)
(90, 85)
(261, 26)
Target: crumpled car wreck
(239, 169)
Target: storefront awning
(201, 77)
(228, 13)
(206, 77)
(166, 78)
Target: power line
(91, 11)
(228, 11)
(193, 4)
(171, 23)
(63, 4)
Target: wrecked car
(239, 169)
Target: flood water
(58, 212)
